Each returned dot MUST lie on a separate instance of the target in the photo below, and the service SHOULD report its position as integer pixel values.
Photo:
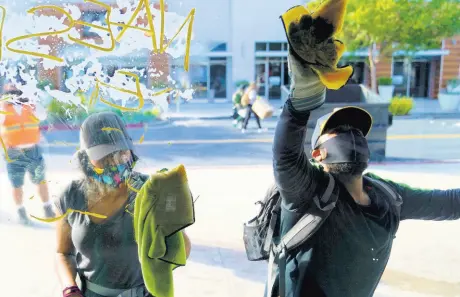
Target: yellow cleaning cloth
(311, 38)
(163, 207)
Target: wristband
(73, 290)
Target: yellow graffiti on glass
(34, 119)
(137, 93)
(141, 140)
(191, 17)
(111, 129)
(162, 26)
(108, 29)
(2, 22)
(69, 211)
(5, 151)
(6, 98)
(129, 25)
(45, 56)
(93, 97)
(32, 197)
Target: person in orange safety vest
(20, 136)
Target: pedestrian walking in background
(237, 107)
(248, 99)
(20, 133)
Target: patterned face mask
(113, 175)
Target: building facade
(238, 40)
(241, 40)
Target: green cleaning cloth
(163, 207)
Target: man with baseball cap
(20, 134)
(347, 254)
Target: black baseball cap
(104, 133)
(353, 116)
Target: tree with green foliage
(398, 25)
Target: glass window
(90, 17)
(221, 47)
(398, 68)
(218, 76)
(275, 46)
(261, 46)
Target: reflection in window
(218, 77)
(261, 46)
(92, 17)
(275, 46)
(196, 78)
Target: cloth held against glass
(311, 41)
(163, 207)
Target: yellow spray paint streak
(5, 151)
(6, 112)
(108, 29)
(191, 17)
(34, 119)
(45, 56)
(137, 93)
(111, 129)
(52, 220)
(31, 197)
(5, 98)
(2, 22)
(141, 140)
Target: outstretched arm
(434, 205)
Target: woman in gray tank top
(102, 251)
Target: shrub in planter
(449, 99)
(61, 112)
(401, 105)
(385, 81)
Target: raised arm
(434, 205)
(294, 174)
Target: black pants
(249, 111)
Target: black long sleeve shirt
(347, 256)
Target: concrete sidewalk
(424, 262)
(423, 108)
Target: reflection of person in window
(249, 98)
(103, 252)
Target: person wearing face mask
(347, 255)
(102, 251)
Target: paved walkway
(424, 262)
(423, 108)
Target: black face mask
(346, 147)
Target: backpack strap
(389, 191)
(303, 230)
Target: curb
(428, 116)
(65, 127)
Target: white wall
(212, 18)
(255, 21)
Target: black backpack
(259, 231)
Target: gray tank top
(106, 253)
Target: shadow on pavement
(230, 259)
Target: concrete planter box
(386, 92)
(449, 101)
